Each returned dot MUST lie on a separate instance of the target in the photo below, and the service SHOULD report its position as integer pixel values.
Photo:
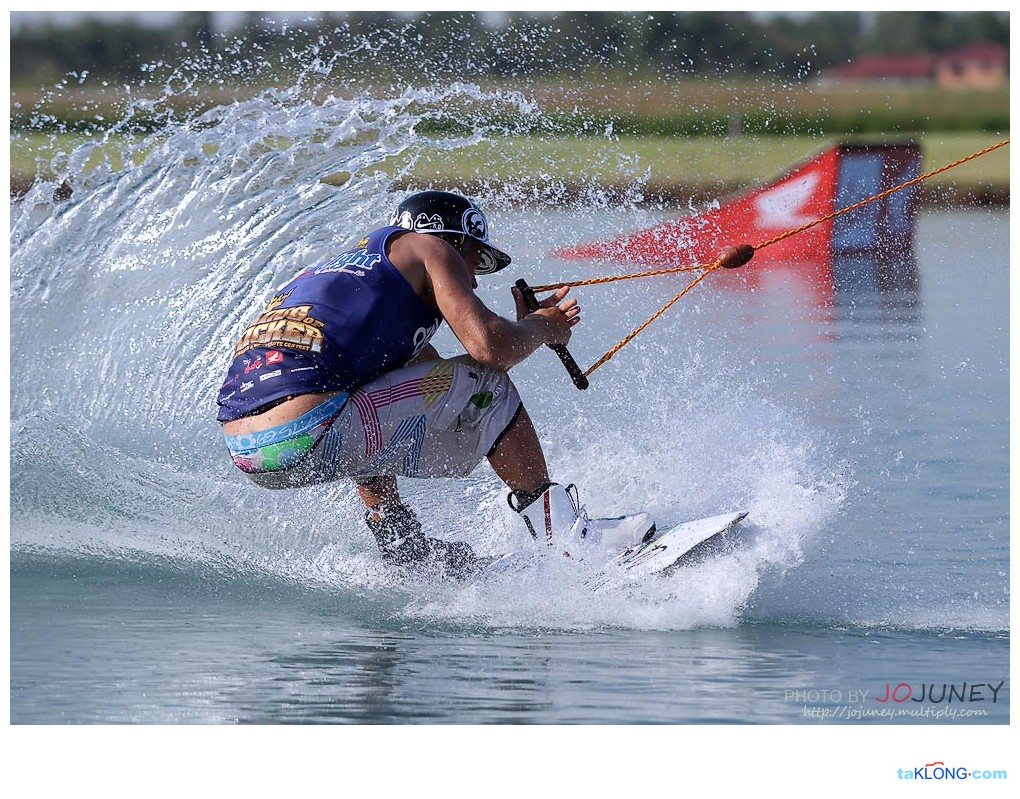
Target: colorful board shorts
(285, 445)
(434, 419)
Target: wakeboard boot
(401, 541)
(554, 516)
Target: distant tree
(446, 43)
(910, 32)
(981, 26)
(528, 45)
(712, 39)
(659, 41)
(816, 40)
(197, 28)
(368, 23)
(91, 45)
(425, 46)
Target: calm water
(866, 432)
(98, 646)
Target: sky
(227, 20)
(222, 20)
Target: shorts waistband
(283, 445)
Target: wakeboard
(657, 555)
(664, 551)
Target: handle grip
(568, 360)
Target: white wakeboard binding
(555, 517)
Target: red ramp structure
(870, 246)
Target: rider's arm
(488, 338)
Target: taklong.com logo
(940, 771)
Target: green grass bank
(669, 169)
(679, 141)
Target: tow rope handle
(561, 352)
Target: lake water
(865, 431)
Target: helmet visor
(491, 259)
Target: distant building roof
(986, 53)
(904, 67)
(981, 65)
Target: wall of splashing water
(128, 295)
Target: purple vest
(334, 327)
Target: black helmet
(444, 212)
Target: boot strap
(525, 498)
